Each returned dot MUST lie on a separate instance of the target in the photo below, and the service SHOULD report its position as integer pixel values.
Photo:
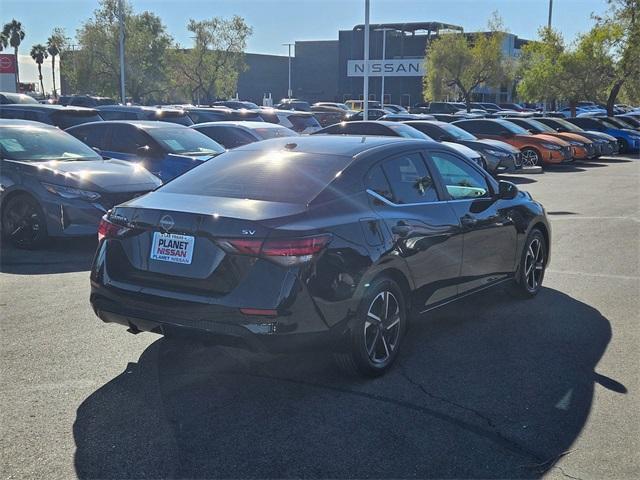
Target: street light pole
(366, 61)
(123, 98)
(550, 10)
(384, 49)
(289, 91)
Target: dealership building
(332, 70)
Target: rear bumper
(216, 325)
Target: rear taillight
(106, 229)
(285, 251)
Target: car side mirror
(507, 190)
(558, 129)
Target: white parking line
(602, 275)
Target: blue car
(165, 149)
(628, 139)
(55, 186)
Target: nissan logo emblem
(166, 223)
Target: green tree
(95, 66)
(616, 47)
(54, 46)
(461, 63)
(210, 69)
(15, 34)
(538, 68)
(39, 53)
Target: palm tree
(39, 53)
(15, 34)
(54, 45)
(4, 41)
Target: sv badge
(248, 232)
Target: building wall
(265, 74)
(315, 71)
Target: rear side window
(377, 182)
(127, 139)
(409, 179)
(92, 135)
(461, 180)
(280, 176)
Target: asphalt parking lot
(488, 388)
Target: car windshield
(607, 123)
(185, 141)
(34, 144)
(278, 176)
(457, 132)
(540, 127)
(513, 128)
(409, 132)
(567, 125)
(618, 123)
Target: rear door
(125, 141)
(490, 235)
(424, 228)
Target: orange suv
(536, 149)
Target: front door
(490, 235)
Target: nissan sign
(388, 68)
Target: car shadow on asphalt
(489, 387)
(60, 256)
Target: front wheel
(23, 222)
(530, 157)
(377, 332)
(530, 273)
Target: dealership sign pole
(366, 61)
(384, 49)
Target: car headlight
(552, 146)
(69, 192)
(497, 153)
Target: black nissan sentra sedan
(53, 185)
(321, 241)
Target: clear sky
(278, 21)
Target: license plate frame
(172, 247)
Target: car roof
(144, 124)
(345, 145)
(437, 123)
(10, 122)
(46, 107)
(239, 123)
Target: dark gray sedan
(53, 185)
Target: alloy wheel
(22, 223)
(530, 158)
(534, 265)
(382, 327)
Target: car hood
(573, 136)
(494, 144)
(541, 137)
(604, 136)
(98, 175)
(466, 151)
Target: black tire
(533, 262)
(531, 157)
(375, 337)
(23, 222)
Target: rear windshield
(65, 120)
(278, 176)
(409, 132)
